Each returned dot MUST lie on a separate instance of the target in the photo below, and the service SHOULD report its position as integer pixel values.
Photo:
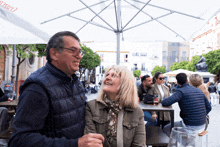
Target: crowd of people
(53, 110)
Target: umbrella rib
(137, 13)
(171, 30)
(94, 17)
(158, 21)
(170, 10)
(72, 12)
(91, 23)
(97, 14)
(147, 21)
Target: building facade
(174, 52)
(208, 38)
(142, 56)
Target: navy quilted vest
(67, 102)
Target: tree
(89, 61)
(181, 65)
(158, 69)
(23, 52)
(137, 73)
(213, 61)
(192, 65)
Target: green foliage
(181, 65)
(24, 51)
(192, 65)
(137, 73)
(213, 61)
(158, 69)
(89, 61)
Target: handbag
(149, 99)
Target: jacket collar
(104, 106)
(60, 74)
(186, 84)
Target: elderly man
(146, 84)
(52, 100)
(193, 104)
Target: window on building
(174, 56)
(184, 56)
(164, 56)
(126, 57)
(135, 67)
(143, 66)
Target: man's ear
(54, 53)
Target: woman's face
(160, 79)
(111, 83)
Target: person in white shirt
(163, 92)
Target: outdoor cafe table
(155, 135)
(11, 106)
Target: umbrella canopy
(175, 72)
(15, 30)
(108, 20)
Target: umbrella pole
(118, 30)
(118, 48)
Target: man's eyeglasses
(161, 78)
(82, 53)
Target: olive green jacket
(134, 134)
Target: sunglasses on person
(161, 78)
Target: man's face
(148, 82)
(68, 61)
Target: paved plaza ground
(213, 128)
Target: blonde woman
(196, 80)
(115, 113)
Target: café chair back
(4, 120)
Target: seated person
(146, 84)
(3, 96)
(196, 80)
(193, 104)
(115, 113)
(163, 92)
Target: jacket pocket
(100, 124)
(129, 129)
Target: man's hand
(154, 117)
(91, 140)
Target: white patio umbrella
(175, 72)
(15, 30)
(131, 20)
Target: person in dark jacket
(213, 91)
(193, 104)
(146, 84)
(52, 101)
